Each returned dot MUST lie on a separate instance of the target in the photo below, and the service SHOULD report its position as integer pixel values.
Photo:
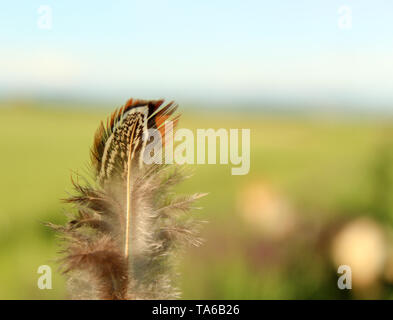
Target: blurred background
(313, 80)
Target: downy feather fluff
(121, 241)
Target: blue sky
(283, 51)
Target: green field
(329, 169)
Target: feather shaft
(128, 214)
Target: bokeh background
(313, 80)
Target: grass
(322, 165)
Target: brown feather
(130, 204)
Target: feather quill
(128, 227)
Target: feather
(127, 227)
